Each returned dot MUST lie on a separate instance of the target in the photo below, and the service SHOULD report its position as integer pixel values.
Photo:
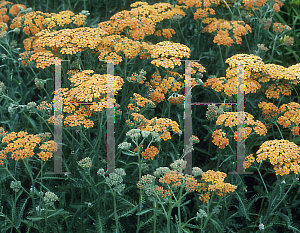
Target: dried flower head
(85, 163)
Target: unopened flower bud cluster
(124, 146)
(114, 180)
(134, 134)
(31, 105)
(213, 112)
(161, 171)
(201, 213)
(179, 165)
(50, 198)
(196, 171)
(16, 185)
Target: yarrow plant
(94, 116)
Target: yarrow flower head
(155, 136)
(120, 171)
(261, 226)
(201, 214)
(2, 87)
(124, 146)
(196, 171)
(282, 154)
(85, 163)
(16, 185)
(213, 112)
(145, 134)
(50, 198)
(161, 171)
(31, 105)
(101, 172)
(114, 180)
(178, 165)
(134, 134)
(150, 153)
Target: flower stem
(115, 211)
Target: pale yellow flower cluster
(255, 71)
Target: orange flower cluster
(204, 8)
(253, 5)
(219, 138)
(168, 83)
(278, 27)
(224, 27)
(112, 45)
(130, 23)
(8, 11)
(191, 184)
(15, 9)
(230, 119)
(140, 20)
(168, 54)
(21, 145)
(161, 125)
(160, 191)
(256, 72)
(172, 178)
(30, 23)
(150, 153)
(274, 90)
(71, 41)
(139, 118)
(178, 99)
(87, 88)
(173, 82)
(269, 110)
(248, 161)
(167, 33)
(256, 4)
(157, 95)
(138, 78)
(36, 23)
(78, 118)
(47, 150)
(63, 18)
(214, 182)
(139, 101)
(291, 116)
(282, 154)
